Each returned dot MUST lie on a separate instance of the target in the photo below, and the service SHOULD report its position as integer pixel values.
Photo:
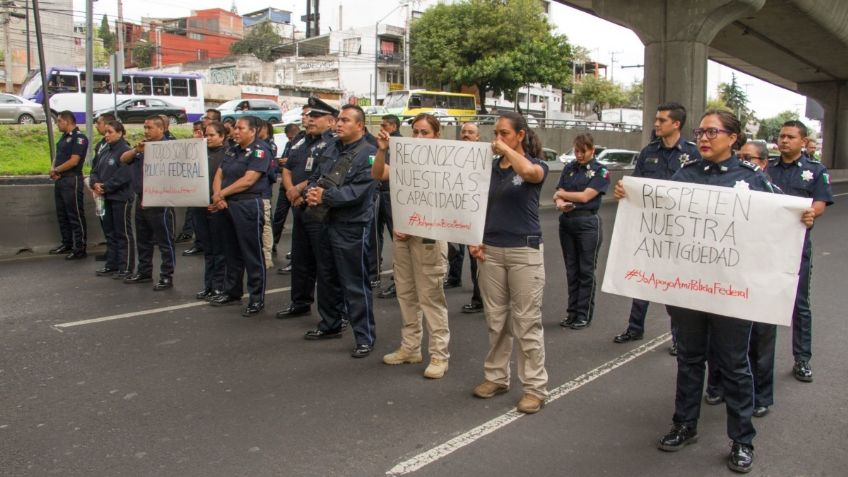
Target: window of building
(352, 46)
(196, 36)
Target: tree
(635, 95)
(142, 54)
(475, 42)
(105, 34)
(260, 42)
(718, 103)
(770, 128)
(600, 93)
(736, 100)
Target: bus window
(428, 101)
(441, 101)
(192, 88)
(101, 84)
(461, 102)
(415, 101)
(179, 87)
(62, 83)
(141, 85)
(161, 87)
(124, 86)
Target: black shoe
(361, 351)
(60, 250)
(580, 324)
(802, 371)
(100, 257)
(472, 308)
(224, 300)
(318, 334)
(375, 283)
(293, 310)
(285, 270)
(138, 278)
(567, 321)
(252, 309)
(627, 336)
(761, 411)
(214, 294)
(105, 272)
(741, 458)
(203, 294)
(182, 238)
(288, 255)
(713, 400)
(677, 438)
(192, 251)
(389, 292)
(448, 283)
(76, 255)
(164, 283)
(673, 350)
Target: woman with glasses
(581, 185)
(700, 333)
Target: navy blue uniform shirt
(112, 173)
(802, 178)
(238, 160)
(576, 177)
(658, 162)
(72, 143)
(353, 201)
(214, 156)
(513, 212)
(729, 173)
(137, 171)
(305, 154)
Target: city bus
(67, 90)
(406, 104)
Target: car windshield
(230, 105)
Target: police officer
(281, 211)
(697, 331)
(582, 183)
(343, 185)
(798, 175)
(66, 173)
(153, 225)
(304, 157)
(660, 159)
(238, 189)
(100, 126)
(304, 122)
(391, 124)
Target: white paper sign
(175, 174)
(728, 251)
(440, 188)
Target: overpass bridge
(800, 45)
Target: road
(166, 386)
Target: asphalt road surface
(167, 386)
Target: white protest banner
(729, 251)
(175, 174)
(440, 188)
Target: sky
(607, 42)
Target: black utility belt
(65, 175)
(244, 196)
(580, 213)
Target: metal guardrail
(484, 119)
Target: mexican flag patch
(826, 178)
(371, 160)
(605, 173)
(80, 141)
(259, 153)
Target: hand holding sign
(175, 173)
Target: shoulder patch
(750, 165)
(259, 153)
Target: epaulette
(750, 165)
(690, 162)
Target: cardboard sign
(175, 174)
(440, 188)
(728, 251)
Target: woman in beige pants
(511, 273)
(419, 266)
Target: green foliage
(736, 100)
(260, 42)
(601, 93)
(142, 54)
(770, 128)
(717, 103)
(635, 95)
(105, 34)
(476, 42)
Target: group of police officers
(339, 211)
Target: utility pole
(89, 74)
(612, 64)
(120, 28)
(43, 67)
(406, 67)
(7, 48)
(29, 56)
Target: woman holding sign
(511, 273)
(578, 197)
(718, 136)
(419, 266)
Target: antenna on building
(233, 8)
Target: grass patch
(24, 149)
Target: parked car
(136, 110)
(618, 159)
(569, 156)
(15, 109)
(552, 160)
(375, 110)
(261, 108)
(443, 118)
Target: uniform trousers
(802, 316)
(267, 234)
(281, 212)
(726, 339)
(761, 357)
(155, 226)
(208, 227)
(68, 197)
(419, 266)
(343, 278)
(456, 255)
(242, 230)
(120, 242)
(305, 248)
(580, 238)
(384, 219)
(638, 312)
(512, 283)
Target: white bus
(67, 90)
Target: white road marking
(471, 436)
(840, 195)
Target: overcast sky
(605, 40)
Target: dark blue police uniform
(116, 179)
(245, 220)
(343, 262)
(724, 338)
(209, 227)
(281, 210)
(580, 236)
(68, 192)
(657, 162)
(803, 178)
(383, 220)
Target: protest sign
(175, 174)
(728, 251)
(440, 188)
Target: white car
(569, 156)
(618, 159)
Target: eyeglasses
(747, 157)
(711, 133)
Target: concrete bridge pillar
(676, 35)
(833, 97)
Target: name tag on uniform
(308, 167)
